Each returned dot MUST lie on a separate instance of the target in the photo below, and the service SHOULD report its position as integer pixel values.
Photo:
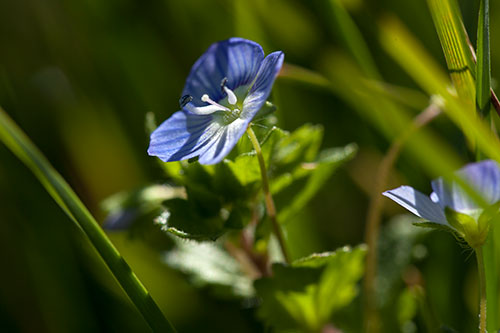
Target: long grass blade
(454, 41)
(417, 63)
(483, 80)
(15, 139)
(344, 26)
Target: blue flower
(225, 89)
(451, 206)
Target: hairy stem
(271, 209)
(482, 289)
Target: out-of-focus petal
(483, 177)
(236, 59)
(417, 203)
(263, 83)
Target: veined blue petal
(417, 203)
(263, 83)
(225, 142)
(483, 177)
(182, 136)
(236, 59)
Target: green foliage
(15, 139)
(82, 106)
(406, 307)
(304, 296)
(214, 199)
(207, 264)
(328, 161)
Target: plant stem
(374, 216)
(483, 69)
(15, 139)
(271, 209)
(482, 289)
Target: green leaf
(305, 294)
(300, 146)
(467, 227)
(148, 195)
(320, 171)
(227, 183)
(173, 170)
(407, 306)
(398, 247)
(246, 169)
(436, 226)
(267, 109)
(208, 265)
(182, 218)
(338, 284)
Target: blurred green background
(79, 77)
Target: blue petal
(263, 83)
(224, 142)
(417, 203)
(236, 59)
(483, 177)
(182, 136)
(120, 220)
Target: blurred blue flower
(225, 89)
(450, 205)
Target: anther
(184, 100)
(223, 84)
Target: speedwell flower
(450, 205)
(225, 89)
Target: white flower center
(228, 104)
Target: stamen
(223, 84)
(202, 110)
(184, 100)
(207, 99)
(231, 97)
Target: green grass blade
(413, 58)
(410, 55)
(343, 25)
(483, 103)
(491, 263)
(483, 81)
(14, 138)
(390, 118)
(453, 37)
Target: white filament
(207, 99)
(231, 97)
(202, 110)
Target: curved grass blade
(343, 24)
(401, 45)
(15, 139)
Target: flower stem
(482, 289)
(271, 209)
(374, 216)
(14, 138)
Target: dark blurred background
(79, 77)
